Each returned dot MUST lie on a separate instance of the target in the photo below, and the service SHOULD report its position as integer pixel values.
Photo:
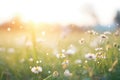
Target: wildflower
(115, 45)
(78, 61)
(92, 32)
(67, 73)
(100, 55)
(30, 59)
(60, 55)
(71, 50)
(36, 69)
(81, 41)
(65, 62)
(103, 36)
(37, 62)
(11, 50)
(98, 49)
(90, 56)
(49, 72)
(63, 50)
(55, 74)
(22, 60)
(2, 49)
(117, 33)
(107, 33)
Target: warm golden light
(57, 11)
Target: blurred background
(19, 15)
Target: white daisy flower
(72, 50)
(36, 69)
(67, 73)
(90, 56)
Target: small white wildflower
(72, 50)
(107, 33)
(49, 72)
(63, 50)
(37, 62)
(67, 73)
(2, 49)
(36, 69)
(30, 59)
(22, 60)
(11, 50)
(103, 36)
(98, 49)
(40, 61)
(65, 62)
(90, 56)
(78, 61)
(55, 74)
(60, 55)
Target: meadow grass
(60, 58)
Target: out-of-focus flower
(66, 61)
(36, 69)
(2, 49)
(81, 41)
(60, 55)
(30, 59)
(100, 55)
(67, 73)
(63, 50)
(55, 74)
(90, 56)
(22, 60)
(117, 33)
(103, 36)
(11, 50)
(78, 61)
(65, 64)
(71, 50)
(98, 49)
(115, 45)
(49, 72)
(92, 32)
(107, 33)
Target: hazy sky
(61, 11)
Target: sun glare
(56, 11)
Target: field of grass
(53, 56)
